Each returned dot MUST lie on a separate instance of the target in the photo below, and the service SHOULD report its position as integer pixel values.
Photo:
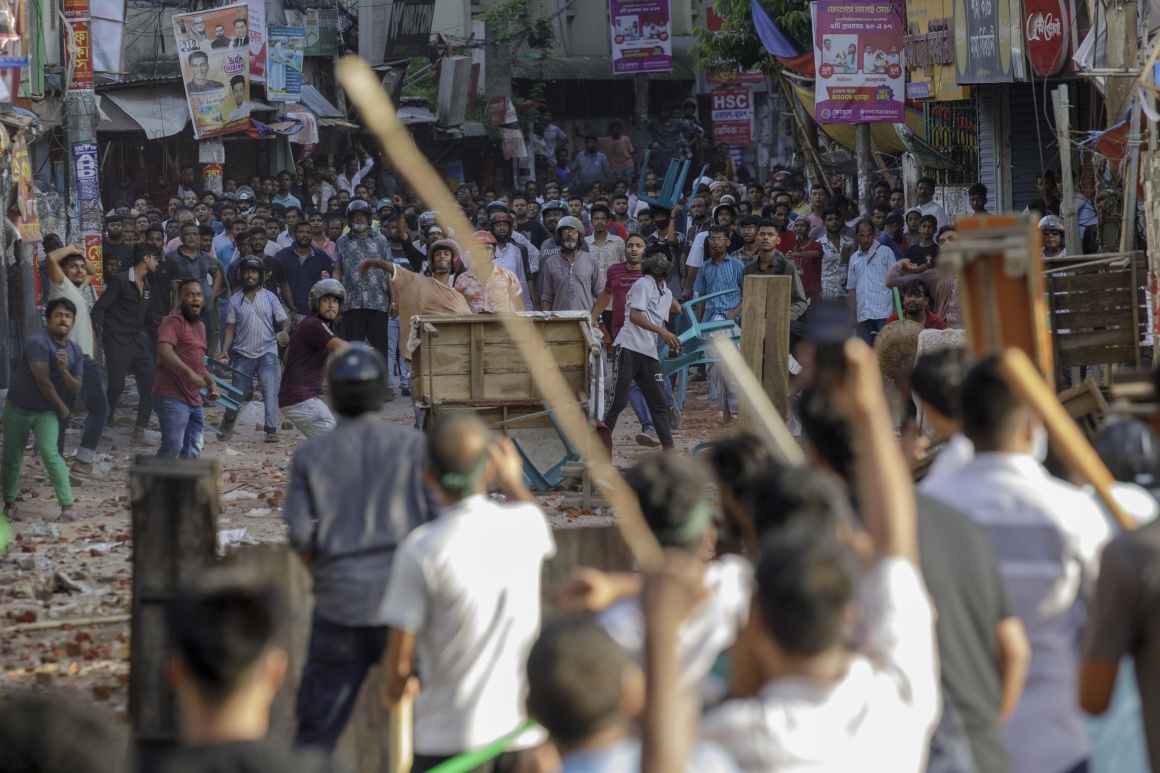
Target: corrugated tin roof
(319, 105)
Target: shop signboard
(731, 110)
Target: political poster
(321, 29)
(213, 48)
(82, 39)
(29, 220)
(256, 32)
(858, 59)
(641, 36)
(284, 51)
(731, 110)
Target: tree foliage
(736, 46)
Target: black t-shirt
(962, 577)
(243, 757)
(535, 232)
(920, 255)
(119, 254)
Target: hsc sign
(732, 115)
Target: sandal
(66, 515)
(11, 512)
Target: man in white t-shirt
(937, 382)
(1048, 536)
(463, 602)
(70, 276)
(828, 705)
(647, 307)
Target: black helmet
(1130, 450)
(251, 261)
(657, 255)
(358, 205)
(357, 379)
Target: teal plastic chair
(230, 396)
(695, 345)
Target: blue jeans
(336, 665)
(397, 346)
(96, 402)
(182, 428)
(868, 329)
(269, 372)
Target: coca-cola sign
(1047, 30)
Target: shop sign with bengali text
(82, 79)
(988, 42)
(858, 59)
(94, 255)
(641, 36)
(930, 52)
(1046, 30)
(731, 110)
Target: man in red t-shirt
(299, 397)
(915, 306)
(181, 374)
(808, 258)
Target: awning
(582, 68)
(159, 111)
(410, 115)
(113, 118)
(319, 105)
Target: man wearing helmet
(251, 317)
(649, 304)
(299, 396)
(355, 492)
(511, 254)
(366, 314)
(502, 291)
(1051, 227)
(570, 279)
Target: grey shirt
(570, 286)
(355, 493)
(202, 268)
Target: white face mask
(359, 227)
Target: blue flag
(775, 41)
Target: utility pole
(1122, 46)
(640, 134)
(864, 159)
(1062, 132)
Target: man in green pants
(50, 366)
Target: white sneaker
(648, 438)
(795, 367)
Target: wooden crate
(473, 359)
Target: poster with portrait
(641, 36)
(858, 59)
(284, 51)
(256, 16)
(214, 48)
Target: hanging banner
(82, 79)
(25, 191)
(858, 58)
(732, 115)
(641, 36)
(252, 27)
(217, 80)
(284, 50)
(321, 29)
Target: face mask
(359, 227)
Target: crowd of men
(865, 624)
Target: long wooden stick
(768, 420)
(364, 90)
(47, 625)
(402, 749)
(1024, 380)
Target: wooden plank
(1104, 280)
(1070, 342)
(478, 366)
(1091, 301)
(1098, 355)
(1079, 320)
(775, 373)
(753, 331)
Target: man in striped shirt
(256, 324)
(867, 278)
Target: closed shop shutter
(1032, 140)
(989, 172)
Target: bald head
(457, 454)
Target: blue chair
(230, 396)
(552, 478)
(695, 345)
(670, 192)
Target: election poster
(858, 59)
(256, 32)
(732, 115)
(284, 51)
(213, 48)
(641, 36)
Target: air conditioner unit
(51, 31)
(454, 86)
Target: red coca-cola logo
(1047, 30)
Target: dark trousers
(336, 665)
(96, 403)
(122, 359)
(629, 366)
(368, 325)
(504, 763)
(868, 329)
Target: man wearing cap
(510, 254)
(569, 279)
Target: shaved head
(457, 453)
